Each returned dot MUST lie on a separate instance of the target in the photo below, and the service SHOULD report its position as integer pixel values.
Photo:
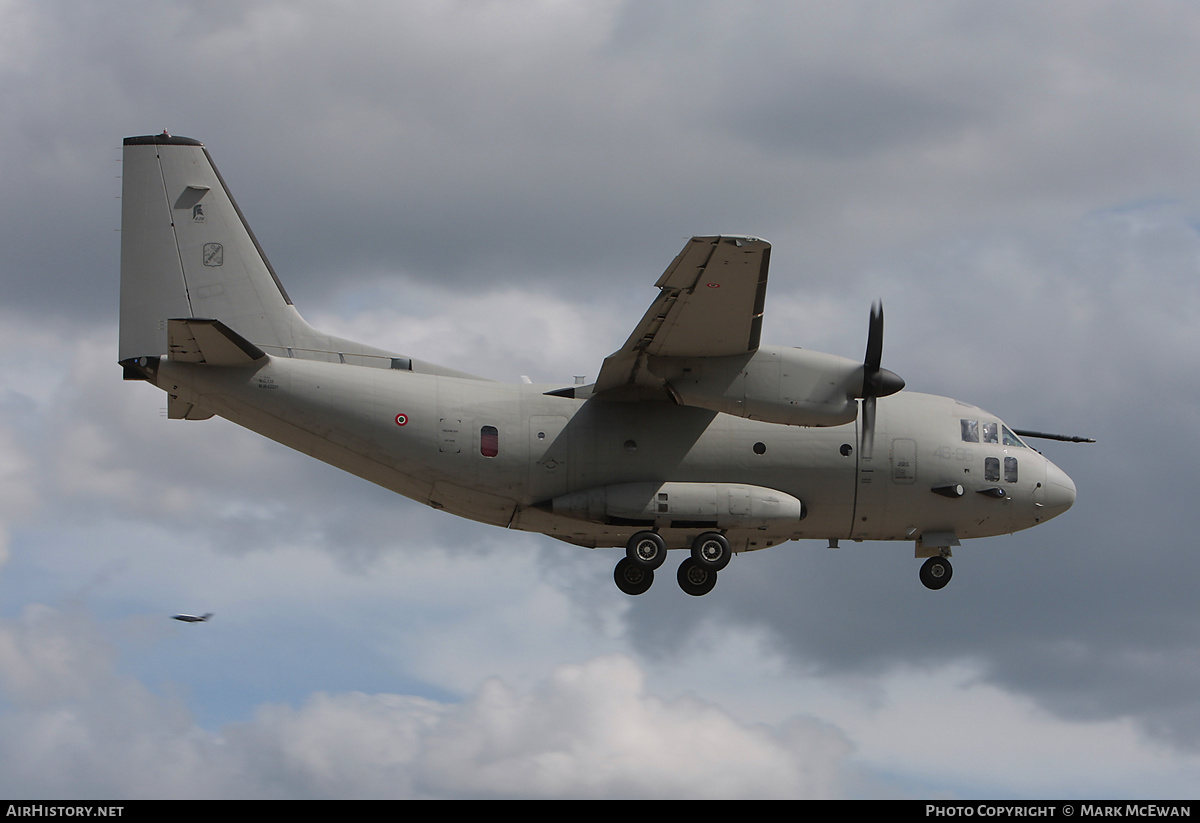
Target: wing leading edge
(710, 304)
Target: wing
(710, 305)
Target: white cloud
(589, 731)
(78, 728)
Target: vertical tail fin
(186, 251)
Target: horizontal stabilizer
(195, 340)
(182, 410)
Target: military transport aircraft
(694, 436)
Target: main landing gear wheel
(647, 550)
(712, 551)
(632, 578)
(936, 572)
(695, 579)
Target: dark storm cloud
(453, 142)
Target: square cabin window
(1010, 470)
(991, 470)
(970, 431)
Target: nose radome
(1060, 491)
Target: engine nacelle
(779, 385)
(681, 505)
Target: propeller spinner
(877, 381)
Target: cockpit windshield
(989, 431)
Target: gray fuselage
(499, 453)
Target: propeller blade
(868, 433)
(877, 381)
(870, 387)
(874, 355)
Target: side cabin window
(970, 431)
(489, 441)
(991, 469)
(1010, 470)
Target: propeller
(877, 381)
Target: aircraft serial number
(952, 453)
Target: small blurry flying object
(191, 618)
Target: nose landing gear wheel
(632, 578)
(695, 579)
(936, 572)
(712, 551)
(647, 550)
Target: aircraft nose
(1060, 491)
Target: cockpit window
(1011, 439)
(989, 432)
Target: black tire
(647, 550)
(936, 572)
(695, 579)
(632, 578)
(712, 551)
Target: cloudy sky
(496, 186)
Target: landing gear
(695, 579)
(711, 551)
(632, 578)
(647, 550)
(936, 572)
